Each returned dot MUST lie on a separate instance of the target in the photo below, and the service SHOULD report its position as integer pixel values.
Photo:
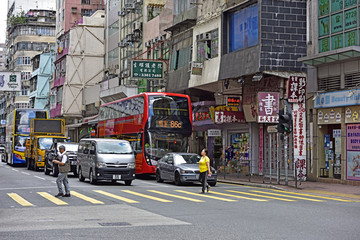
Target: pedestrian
(64, 169)
(205, 170)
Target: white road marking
(25, 173)
(39, 177)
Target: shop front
(338, 128)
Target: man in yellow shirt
(205, 170)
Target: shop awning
(284, 74)
(331, 56)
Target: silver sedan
(181, 168)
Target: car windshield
(186, 159)
(114, 147)
(46, 143)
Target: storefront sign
(10, 81)
(299, 138)
(214, 132)
(233, 101)
(297, 86)
(353, 151)
(250, 112)
(337, 99)
(268, 107)
(201, 116)
(352, 114)
(329, 116)
(147, 69)
(229, 117)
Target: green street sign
(147, 69)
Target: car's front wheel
(177, 179)
(91, 177)
(80, 176)
(158, 177)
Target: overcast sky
(3, 10)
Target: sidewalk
(322, 188)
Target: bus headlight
(101, 165)
(131, 165)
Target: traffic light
(285, 122)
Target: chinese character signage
(229, 117)
(147, 69)
(10, 81)
(299, 138)
(353, 151)
(214, 132)
(233, 101)
(297, 87)
(268, 103)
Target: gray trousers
(203, 180)
(63, 179)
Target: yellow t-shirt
(202, 164)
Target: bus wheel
(91, 177)
(128, 182)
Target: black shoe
(67, 195)
(208, 188)
(202, 192)
(59, 195)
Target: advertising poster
(10, 81)
(353, 152)
(299, 139)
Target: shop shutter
(329, 83)
(352, 80)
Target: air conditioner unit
(62, 71)
(116, 66)
(138, 1)
(162, 38)
(136, 25)
(148, 44)
(73, 10)
(153, 40)
(121, 13)
(97, 103)
(158, 39)
(122, 44)
(207, 36)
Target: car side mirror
(92, 151)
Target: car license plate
(117, 177)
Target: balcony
(54, 112)
(59, 81)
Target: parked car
(106, 159)
(71, 149)
(181, 168)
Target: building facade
(333, 99)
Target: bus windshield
(158, 144)
(46, 142)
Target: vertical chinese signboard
(147, 69)
(268, 107)
(297, 87)
(353, 151)
(299, 139)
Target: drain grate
(114, 224)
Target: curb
(263, 185)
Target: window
(23, 61)
(243, 28)
(85, 12)
(114, 28)
(25, 76)
(207, 45)
(24, 91)
(85, 2)
(181, 6)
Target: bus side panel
(18, 158)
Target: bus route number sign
(168, 124)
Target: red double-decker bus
(154, 123)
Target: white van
(105, 159)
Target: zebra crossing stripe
(146, 196)
(17, 198)
(116, 196)
(258, 195)
(316, 196)
(207, 196)
(237, 196)
(176, 196)
(283, 195)
(83, 197)
(51, 198)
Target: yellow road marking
(116, 196)
(16, 197)
(283, 195)
(146, 196)
(51, 198)
(310, 195)
(176, 196)
(335, 194)
(258, 195)
(237, 196)
(83, 197)
(206, 196)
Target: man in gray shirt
(64, 169)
